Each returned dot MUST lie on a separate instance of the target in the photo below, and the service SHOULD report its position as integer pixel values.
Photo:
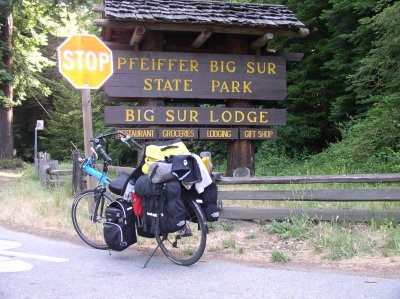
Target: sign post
(86, 62)
(39, 127)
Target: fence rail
(50, 174)
(321, 195)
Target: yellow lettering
(252, 119)
(129, 115)
(264, 117)
(147, 84)
(182, 65)
(170, 116)
(182, 115)
(193, 116)
(143, 66)
(213, 66)
(214, 85)
(261, 67)
(271, 68)
(235, 86)
(149, 115)
(158, 81)
(250, 67)
(231, 66)
(194, 65)
(160, 63)
(132, 62)
(167, 85)
(246, 86)
(212, 120)
(224, 87)
(239, 116)
(171, 63)
(121, 61)
(186, 85)
(226, 116)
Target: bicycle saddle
(118, 185)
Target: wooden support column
(152, 41)
(240, 152)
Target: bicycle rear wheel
(186, 246)
(90, 230)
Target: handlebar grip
(104, 154)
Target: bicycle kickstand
(148, 260)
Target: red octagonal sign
(85, 61)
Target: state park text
(193, 75)
(193, 116)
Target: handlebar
(97, 143)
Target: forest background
(343, 98)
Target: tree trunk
(6, 111)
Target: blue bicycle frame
(95, 173)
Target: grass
(229, 243)
(25, 201)
(296, 229)
(279, 257)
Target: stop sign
(85, 61)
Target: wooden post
(87, 128)
(77, 179)
(240, 152)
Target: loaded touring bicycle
(169, 196)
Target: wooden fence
(389, 192)
(321, 195)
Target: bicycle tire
(183, 249)
(90, 232)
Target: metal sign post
(39, 127)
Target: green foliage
(279, 257)
(297, 228)
(12, 164)
(343, 242)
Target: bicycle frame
(101, 176)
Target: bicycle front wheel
(89, 227)
(186, 246)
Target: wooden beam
(314, 195)
(320, 214)
(162, 26)
(201, 38)
(312, 179)
(137, 35)
(261, 41)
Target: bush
(12, 164)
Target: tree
(6, 88)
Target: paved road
(34, 267)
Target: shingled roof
(203, 12)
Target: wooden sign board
(140, 74)
(218, 133)
(136, 115)
(257, 134)
(199, 133)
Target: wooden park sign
(200, 133)
(196, 76)
(136, 115)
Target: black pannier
(119, 229)
(207, 201)
(162, 204)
